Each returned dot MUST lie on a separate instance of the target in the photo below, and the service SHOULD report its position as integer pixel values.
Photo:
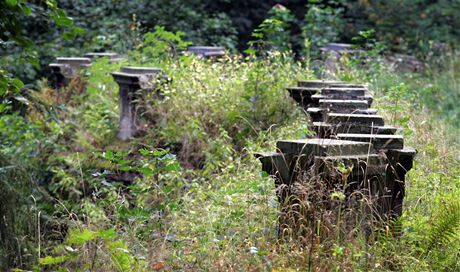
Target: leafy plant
(322, 24)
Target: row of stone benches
(349, 135)
(130, 80)
(67, 68)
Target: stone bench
(113, 57)
(207, 52)
(66, 69)
(309, 95)
(131, 80)
(350, 135)
(325, 130)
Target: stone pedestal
(131, 80)
(113, 57)
(332, 52)
(212, 52)
(66, 69)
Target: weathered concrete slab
(347, 85)
(316, 114)
(317, 83)
(140, 70)
(379, 141)
(322, 147)
(73, 61)
(343, 92)
(345, 105)
(325, 130)
(207, 51)
(361, 119)
(113, 57)
(319, 114)
(337, 47)
(93, 55)
(367, 96)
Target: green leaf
(17, 84)
(52, 260)
(107, 234)
(172, 167)
(79, 30)
(61, 19)
(108, 155)
(125, 168)
(11, 3)
(264, 174)
(26, 10)
(160, 152)
(146, 171)
(144, 151)
(77, 237)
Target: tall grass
(136, 210)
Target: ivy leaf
(11, 3)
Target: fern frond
(445, 224)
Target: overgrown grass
(188, 194)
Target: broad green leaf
(52, 260)
(26, 10)
(17, 84)
(108, 155)
(172, 167)
(11, 3)
(146, 171)
(107, 234)
(77, 237)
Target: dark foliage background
(411, 26)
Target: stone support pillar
(130, 81)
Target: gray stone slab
(316, 114)
(343, 92)
(347, 85)
(379, 141)
(343, 105)
(322, 147)
(140, 70)
(317, 83)
(326, 129)
(73, 60)
(207, 51)
(361, 119)
(314, 110)
(93, 55)
(337, 47)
